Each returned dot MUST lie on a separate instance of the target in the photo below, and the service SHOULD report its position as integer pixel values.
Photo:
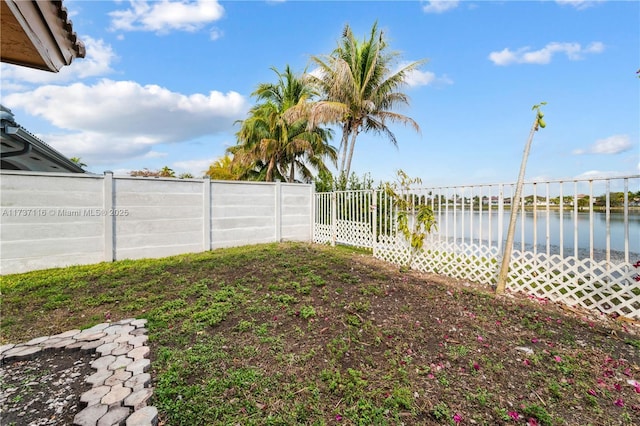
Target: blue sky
(164, 81)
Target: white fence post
(109, 229)
(206, 214)
(374, 220)
(334, 219)
(278, 214)
(501, 217)
(312, 212)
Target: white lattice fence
(355, 233)
(472, 227)
(462, 261)
(321, 233)
(605, 286)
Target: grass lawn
(286, 334)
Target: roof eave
(47, 26)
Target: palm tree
(224, 169)
(271, 146)
(360, 91)
(78, 162)
(166, 172)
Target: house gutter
(11, 130)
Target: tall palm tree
(270, 145)
(360, 91)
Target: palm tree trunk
(343, 147)
(351, 147)
(272, 163)
(292, 173)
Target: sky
(164, 83)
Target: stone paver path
(120, 386)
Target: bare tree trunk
(292, 172)
(515, 205)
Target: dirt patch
(307, 334)
(44, 390)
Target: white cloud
(579, 4)
(156, 154)
(196, 167)
(615, 144)
(425, 78)
(593, 174)
(97, 62)
(415, 77)
(121, 119)
(439, 6)
(215, 34)
(164, 16)
(573, 51)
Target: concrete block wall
(52, 220)
(157, 217)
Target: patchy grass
(304, 334)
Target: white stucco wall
(49, 220)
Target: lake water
(546, 229)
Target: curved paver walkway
(120, 386)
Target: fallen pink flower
(534, 340)
(526, 362)
(338, 417)
(617, 387)
(557, 358)
(476, 366)
(480, 339)
(619, 402)
(514, 415)
(532, 422)
(592, 392)
(457, 418)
